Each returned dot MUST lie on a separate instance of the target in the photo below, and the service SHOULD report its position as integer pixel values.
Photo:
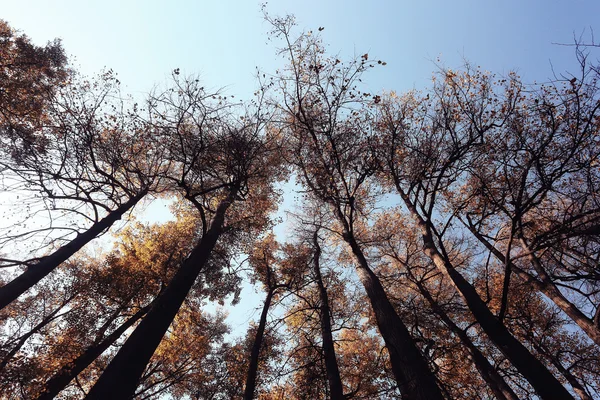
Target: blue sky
(224, 41)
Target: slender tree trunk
(497, 384)
(253, 366)
(34, 273)
(119, 380)
(68, 372)
(415, 379)
(336, 390)
(545, 285)
(507, 274)
(543, 382)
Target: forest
(445, 243)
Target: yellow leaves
(151, 253)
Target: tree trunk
(336, 390)
(409, 367)
(253, 366)
(120, 379)
(543, 382)
(548, 288)
(497, 384)
(34, 273)
(68, 372)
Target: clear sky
(224, 41)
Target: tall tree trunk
(543, 382)
(253, 366)
(336, 390)
(415, 379)
(119, 380)
(497, 384)
(545, 285)
(34, 273)
(68, 372)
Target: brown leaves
(29, 77)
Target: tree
(217, 160)
(303, 262)
(179, 363)
(142, 263)
(329, 149)
(28, 320)
(481, 283)
(263, 260)
(454, 129)
(86, 178)
(398, 243)
(333, 374)
(537, 194)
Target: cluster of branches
(446, 246)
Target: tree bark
(68, 372)
(253, 366)
(120, 379)
(543, 382)
(415, 379)
(336, 389)
(34, 273)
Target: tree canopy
(446, 242)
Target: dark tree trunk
(253, 366)
(336, 390)
(120, 379)
(409, 367)
(497, 384)
(543, 382)
(68, 372)
(34, 273)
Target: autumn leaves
(446, 242)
